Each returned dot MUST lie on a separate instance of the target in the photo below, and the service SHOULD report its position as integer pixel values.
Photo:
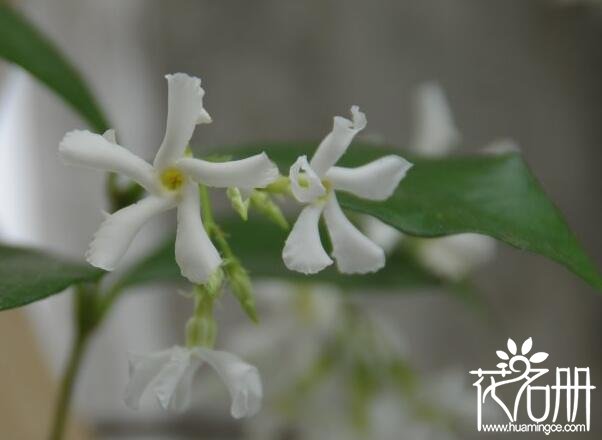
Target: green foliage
(28, 275)
(21, 43)
(490, 194)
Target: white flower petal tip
(334, 145)
(184, 111)
(303, 251)
(305, 183)
(435, 133)
(195, 253)
(353, 252)
(502, 146)
(241, 379)
(376, 180)
(187, 86)
(358, 118)
(117, 231)
(110, 136)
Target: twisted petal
(167, 374)
(336, 142)
(352, 250)
(303, 251)
(184, 111)
(91, 150)
(241, 379)
(118, 230)
(253, 172)
(435, 133)
(305, 183)
(143, 370)
(455, 256)
(195, 254)
(376, 180)
(172, 386)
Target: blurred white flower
(436, 135)
(171, 182)
(169, 376)
(295, 324)
(314, 183)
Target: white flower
(314, 183)
(171, 182)
(169, 376)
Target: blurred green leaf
(494, 195)
(21, 43)
(28, 275)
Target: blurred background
(529, 70)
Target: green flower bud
(264, 204)
(242, 288)
(240, 206)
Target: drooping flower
(436, 135)
(172, 181)
(169, 375)
(314, 183)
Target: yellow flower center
(172, 179)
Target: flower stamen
(172, 179)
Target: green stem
(61, 414)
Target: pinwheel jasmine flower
(169, 375)
(172, 181)
(314, 183)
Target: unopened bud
(264, 204)
(240, 205)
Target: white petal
(337, 141)
(184, 111)
(502, 146)
(118, 230)
(241, 379)
(303, 251)
(172, 384)
(435, 133)
(253, 172)
(305, 183)
(352, 250)
(387, 237)
(376, 180)
(455, 256)
(87, 149)
(195, 254)
(143, 370)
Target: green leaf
(258, 244)
(28, 275)
(495, 195)
(21, 43)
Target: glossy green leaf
(27, 275)
(491, 194)
(21, 43)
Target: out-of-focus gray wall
(274, 70)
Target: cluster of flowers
(173, 180)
